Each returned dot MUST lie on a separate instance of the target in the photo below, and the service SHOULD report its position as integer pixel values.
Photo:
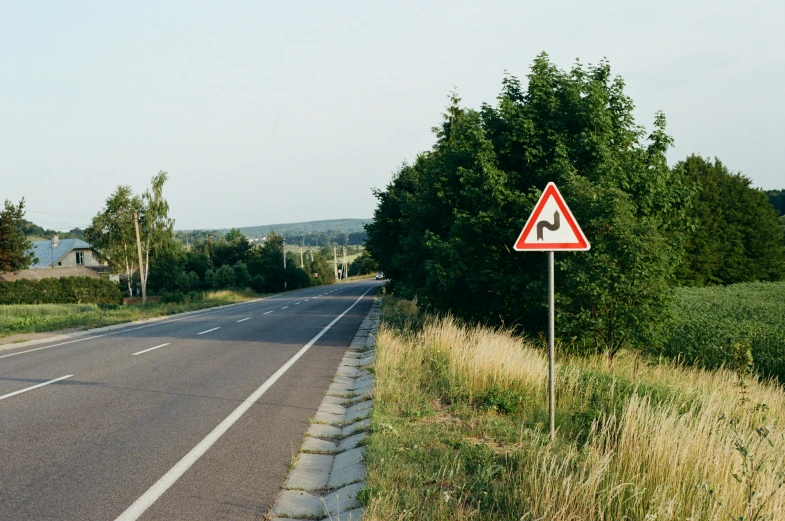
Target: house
(66, 253)
(62, 258)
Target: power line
(58, 214)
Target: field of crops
(710, 323)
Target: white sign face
(551, 226)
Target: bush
(241, 275)
(67, 290)
(258, 284)
(173, 298)
(224, 277)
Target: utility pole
(345, 271)
(284, 263)
(209, 256)
(335, 262)
(141, 264)
(302, 245)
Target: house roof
(48, 255)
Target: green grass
(15, 319)
(459, 431)
(708, 322)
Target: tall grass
(460, 432)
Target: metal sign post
(569, 237)
(551, 350)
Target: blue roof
(48, 255)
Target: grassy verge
(460, 432)
(15, 319)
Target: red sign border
(583, 243)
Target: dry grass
(655, 432)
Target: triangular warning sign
(551, 226)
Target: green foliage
(363, 265)
(224, 277)
(777, 200)
(33, 230)
(241, 275)
(258, 284)
(14, 246)
(735, 235)
(66, 290)
(112, 233)
(444, 227)
(708, 324)
(172, 298)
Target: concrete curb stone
(329, 471)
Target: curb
(329, 471)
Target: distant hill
(332, 226)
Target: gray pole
(551, 361)
(284, 253)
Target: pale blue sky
(266, 112)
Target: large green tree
(445, 226)
(734, 234)
(112, 233)
(15, 249)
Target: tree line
(444, 227)
(166, 263)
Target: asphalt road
(193, 429)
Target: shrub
(258, 284)
(66, 290)
(173, 298)
(241, 275)
(224, 277)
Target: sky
(275, 112)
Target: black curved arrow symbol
(546, 224)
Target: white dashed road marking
(37, 386)
(213, 329)
(150, 349)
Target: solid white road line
(162, 485)
(34, 387)
(146, 350)
(266, 312)
(213, 329)
(124, 330)
(243, 319)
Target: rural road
(195, 417)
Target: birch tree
(157, 226)
(112, 233)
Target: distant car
(380, 275)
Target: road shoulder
(329, 471)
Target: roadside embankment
(460, 431)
